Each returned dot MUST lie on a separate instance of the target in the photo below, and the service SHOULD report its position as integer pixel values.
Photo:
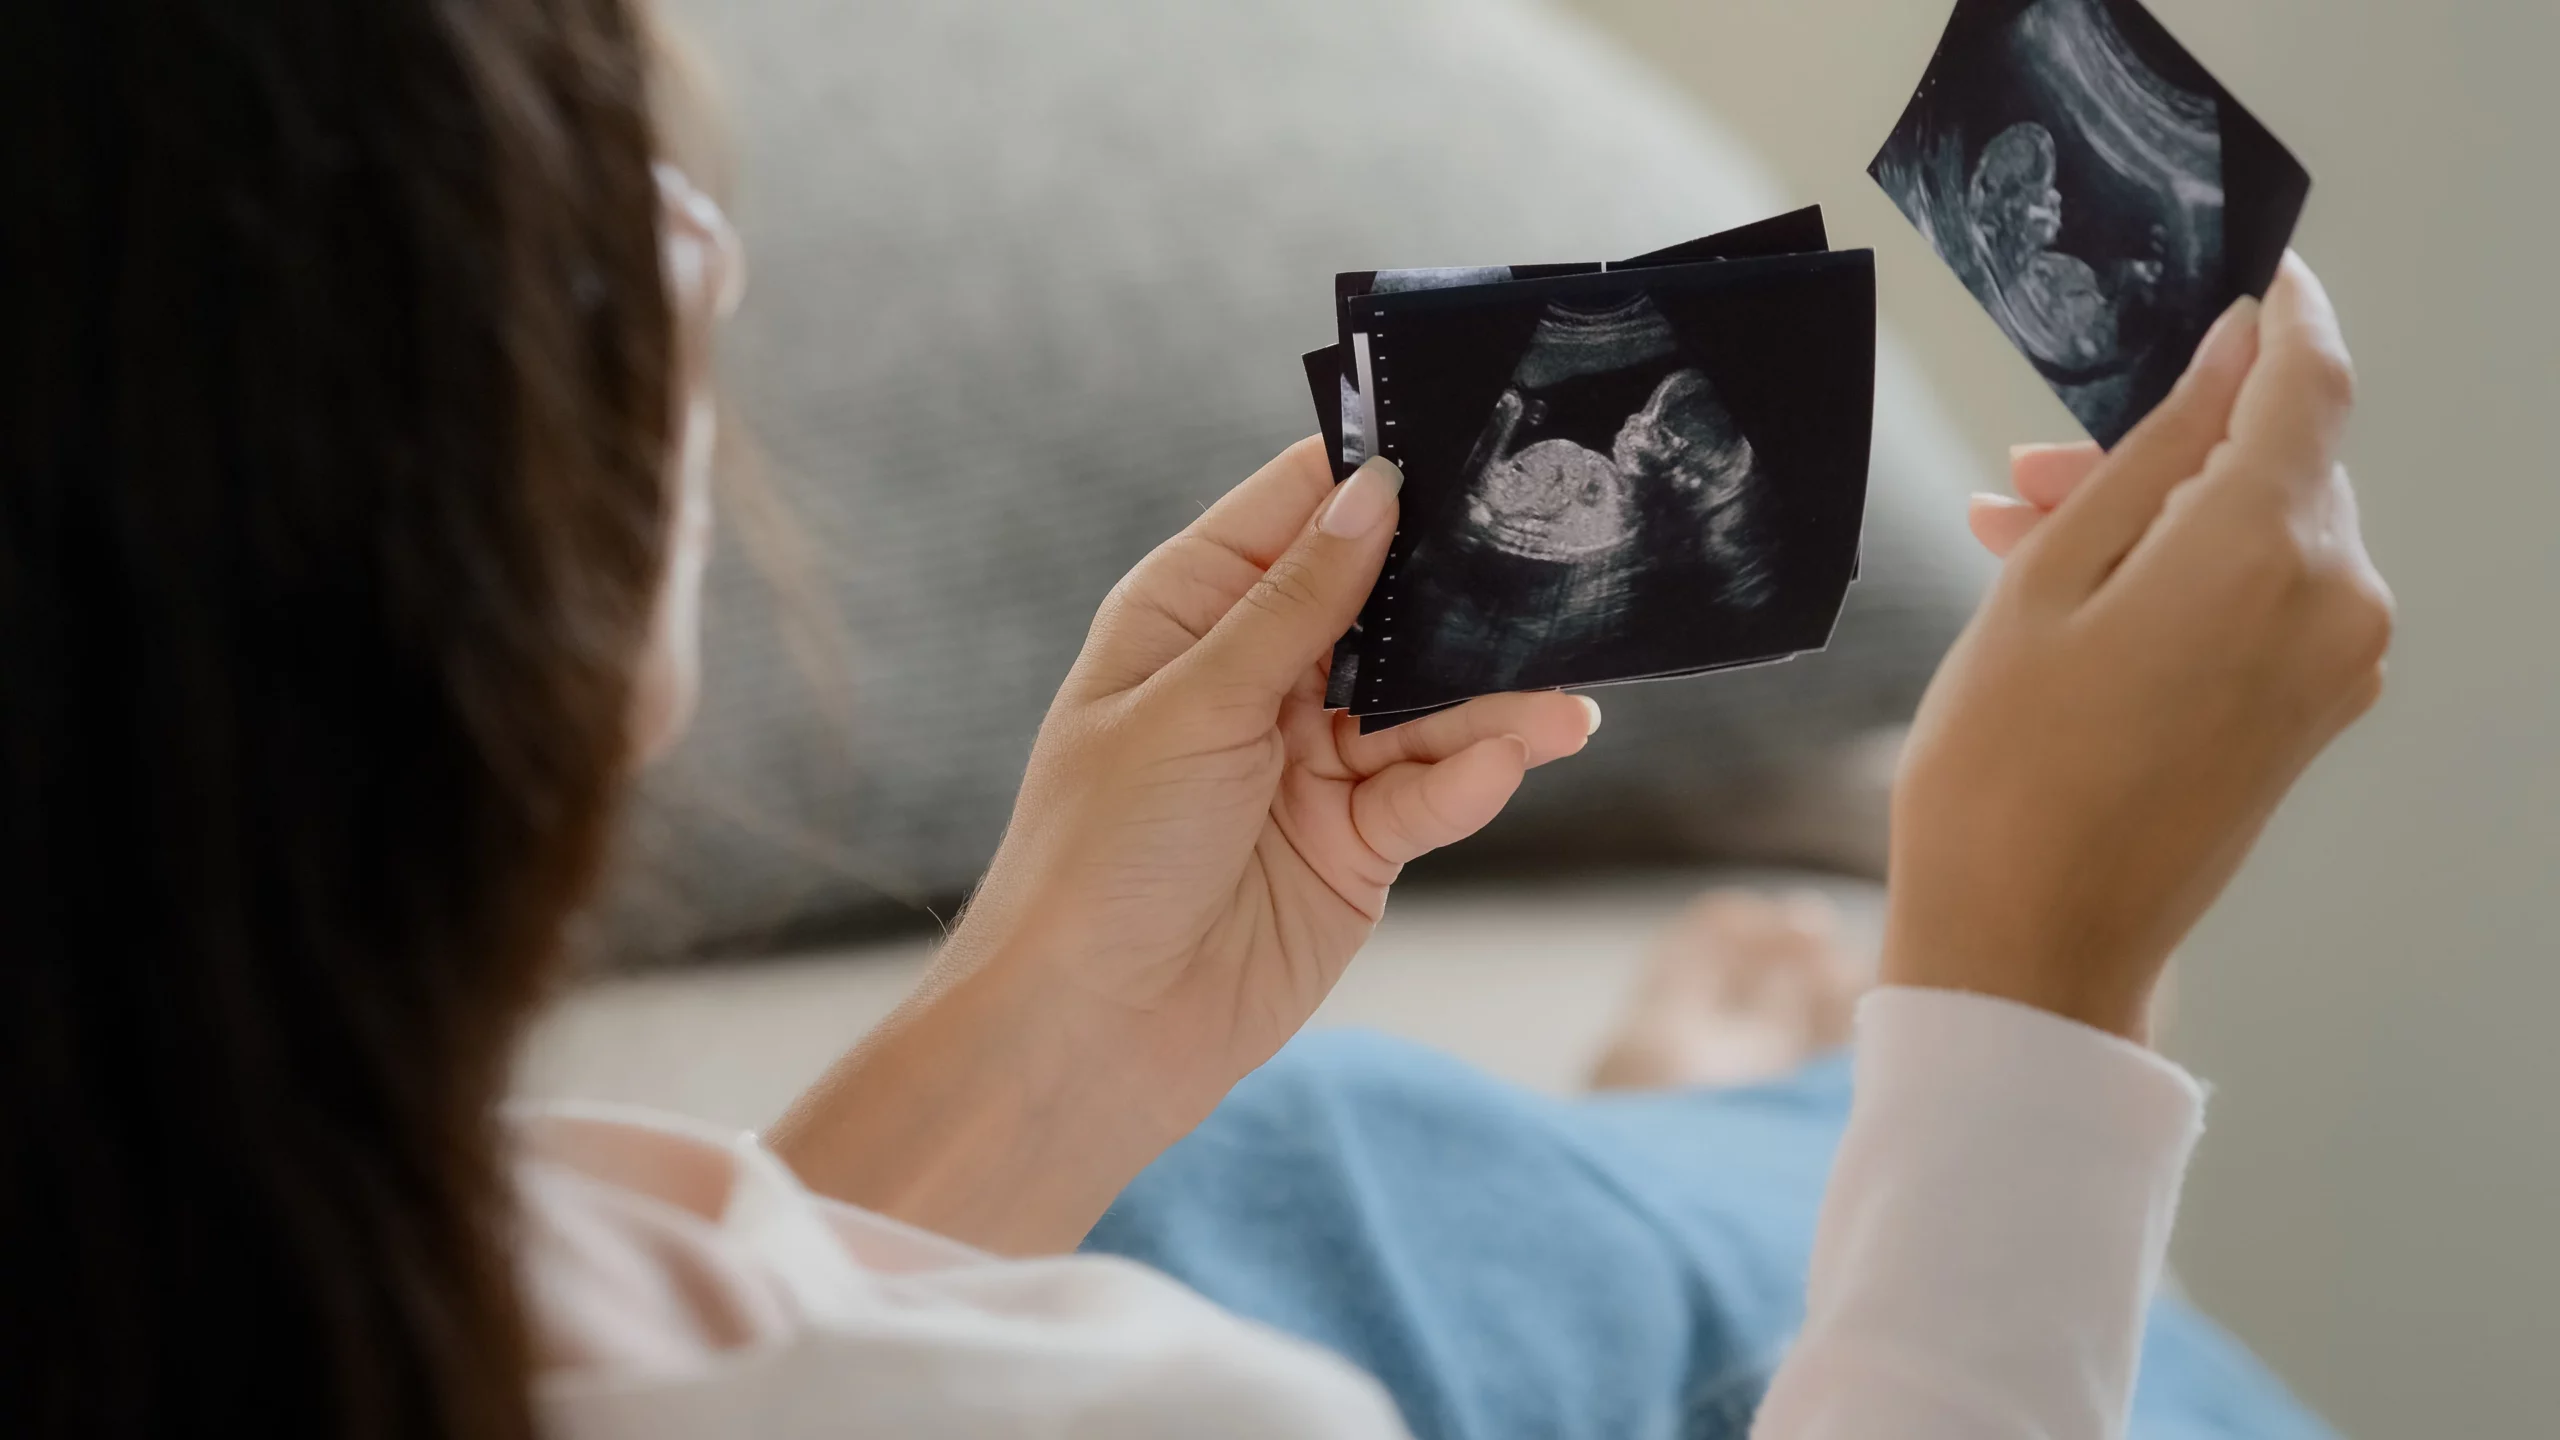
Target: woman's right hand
(2166, 651)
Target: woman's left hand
(1198, 851)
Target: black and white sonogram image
(2098, 192)
(1345, 410)
(1618, 476)
(1608, 466)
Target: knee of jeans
(1374, 1084)
(1298, 1126)
(1350, 1063)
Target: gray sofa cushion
(1029, 283)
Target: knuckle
(2372, 616)
(1192, 563)
(2360, 694)
(2184, 424)
(1145, 582)
(1112, 618)
(2183, 500)
(2279, 554)
(2356, 617)
(1138, 579)
(2222, 458)
(2329, 376)
(2295, 554)
(1289, 585)
(2369, 691)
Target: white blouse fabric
(1995, 1227)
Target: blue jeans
(1513, 1265)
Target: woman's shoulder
(681, 1281)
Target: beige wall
(2377, 998)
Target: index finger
(1262, 517)
(1183, 587)
(2294, 405)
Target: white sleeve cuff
(2025, 1066)
(1995, 1227)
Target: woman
(347, 561)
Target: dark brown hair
(334, 363)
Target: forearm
(979, 1111)
(1994, 1232)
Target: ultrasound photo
(2098, 192)
(1333, 373)
(1614, 476)
(1358, 422)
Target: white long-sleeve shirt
(1995, 1227)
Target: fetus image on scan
(1609, 480)
(2069, 319)
(2076, 188)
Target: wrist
(983, 1110)
(1984, 958)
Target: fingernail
(1989, 501)
(1524, 749)
(2222, 344)
(1590, 715)
(1364, 501)
(2034, 447)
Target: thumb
(1311, 594)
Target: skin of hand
(1198, 850)
(2044, 476)
(2180, 628)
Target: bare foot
(1741, 987)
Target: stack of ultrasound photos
(1613, 472)
(1657, 467)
